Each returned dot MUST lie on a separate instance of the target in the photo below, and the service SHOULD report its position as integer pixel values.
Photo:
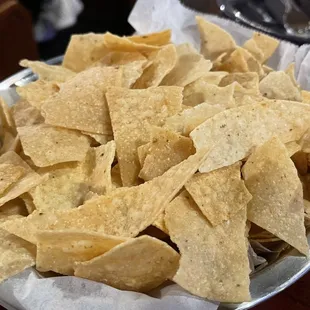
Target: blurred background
(41, 29)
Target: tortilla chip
(124, 212)
(160, 223)
(214, 260)
(48, 145)
(252, 47)
(9, 174)
(100, 181)
(28, 201)
(24, 114)
(290, 71)
(266, 44)
(190, 66)
(80, 103)
(84, 50)
(235, 132)
(163, 62)
(187, 120)
(236, 62)
(58, 251)
(142, 152)
(16, 254)
(219, 194)
(116, 176)
(99, 138)
(305, 95)
(214, 40)
(36, 92)
(48, 72)
(166, 150)
(292, 148)
(124, 44)
(157, 38)
(6, 117)
(248, 80)
(139, 264)
(278, 85)
(65, 187)
(277, 203)
(132, 111)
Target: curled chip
(219, 194)
(214, 260)
(277, 203)
(214, 40)
(48, 145)
(124, 212)
(165, 150)
(81, 104)
(58, 251)
(278, 85)
(132, 111)
(139, 264)
(235, 132)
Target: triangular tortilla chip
(163, 62)
(48, 145)
(48, 72)
(190, 66)
(214, 40)
(266, 44)
(157, 38)
(251, 46)
(235, 62)
(80, 103)
(235, 132)
(278, 85)
(84, 50)
(277, 203)
(124, 212)
(132, 111)
(58, 251)
(100, 180)
(139, 264)
(214, 260)
(187, 120)
(166, 150)
(219, 194)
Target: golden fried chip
(219, 194)
(84, 50)
(235, 62)
(139, 264)
(124, 44)
(6, 117)
(277, 203)
(24, 114)
(157, 38)
(248, 80)
(16, 254)
(48, 145)
(278, 85)
(190, 66)
(214, 40)
(123, 212)
(251, 46)
(48, 72)
(29, 180)
(160, 223)
(187, 120)
(80, 103)
(9, 174)
(235, 132)
(36, 92)
(58, 251)
(266, 44)
(305, 96)
(214, 260)
(132, 111)
(65, 187)
(166, 150)
(100, 180)
(162, 62)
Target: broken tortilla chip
(140, 264)
(277, 203)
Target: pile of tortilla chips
(137, 161)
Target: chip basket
(265, 283)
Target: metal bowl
(264, 283)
